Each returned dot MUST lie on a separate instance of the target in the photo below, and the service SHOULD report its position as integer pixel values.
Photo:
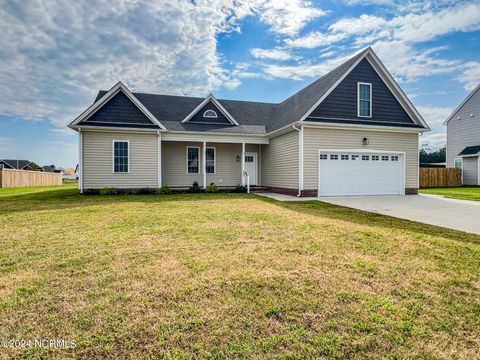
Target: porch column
(243, 163)
(159, 159)
(204, 164)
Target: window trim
(186, 160)
(113, 157)
(358, 99)
(214, 160)
(454, 163)
(208, 116)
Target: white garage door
(360, 173)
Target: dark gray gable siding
(342, 101)
(119, 110)
(198, 117)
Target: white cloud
(55, 56)
(395, 39)
(361, 25)
(274, 54)
(314, 39)
(434, 115)
(470, 76)
(433, 141)
(288, 17)
(298, 72)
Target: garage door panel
(363, 176)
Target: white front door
(251, 167)
(360, 173)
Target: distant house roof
(477, 88)
(68, 170)
(250, 117)
(17, 164)
(470, 150)
(48, 168)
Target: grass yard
(465, 193)
(231, 275)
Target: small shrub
(108, 191)
(164, 190)
(91, 192)
(195, 188)
(240, 189)
(212, 188)
(144, 191)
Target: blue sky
(55, 56)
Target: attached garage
(347, 172)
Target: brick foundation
(411, 191)
(291, 192)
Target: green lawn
(231, 276)
(465, 193)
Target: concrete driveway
(455, 214)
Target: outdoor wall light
(365, 141)
(238, 158)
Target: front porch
(226, 164)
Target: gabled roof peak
(220, 107)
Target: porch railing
(247, 179)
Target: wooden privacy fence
(10, 178)
(440, 177)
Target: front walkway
(455, 214)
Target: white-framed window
(121, 156)
(355, 157)
(375, 157)
(344, 157)
(365, 157)
(193, 160)
(323, 156)
(210, 114)
(384, 157)
(394, 157)
(364, 99)
(334, 157)
(211, 155)
(458, 163)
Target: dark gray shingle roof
(470, 150)
(14, 165)
(253, 117)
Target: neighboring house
(463, 138)
(19, 165)
(352, 132)
(68, 172)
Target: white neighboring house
(68, 173)
(463, 138)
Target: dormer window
(364, 104)
(210, 114)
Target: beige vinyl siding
(280, 161)
(98, 161)
(227, 168)
(470, 170)
(315, 139)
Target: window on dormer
(364, 100)
(210, 114)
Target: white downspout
(300, 159)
